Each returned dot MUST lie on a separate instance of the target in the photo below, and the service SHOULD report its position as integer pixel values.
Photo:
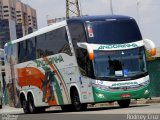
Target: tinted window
(22, 50)
(50, 43)
(53, 42)
(31, 49)
(27, 50)
(40, 48)
(113, 32)
(77, 33)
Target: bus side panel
(86, 90)
(32, 79)
(47, 78)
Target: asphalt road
(135, 112)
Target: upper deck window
(113, 32)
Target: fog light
(100, 95)
(146, 92)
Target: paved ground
(97, 112)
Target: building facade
(16, 20)
(51, 21)
(26, 19)
(7, 31)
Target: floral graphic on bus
(47, 83)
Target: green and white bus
(80, 61)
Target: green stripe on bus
(58, 91)
(62, 79)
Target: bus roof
(38, 32)
(63, 23)
(99, 18)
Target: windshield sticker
(119, 73)
(125, 72)
(90, 31)
(128, 45)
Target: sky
(144, 11)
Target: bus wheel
(1, 103)
(31, 104)
(25, 106)
(67, 108)
(124, 103)
(40, 109)
(77, 105)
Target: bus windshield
(123, 63)
(113, 32)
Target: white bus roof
(39, 32)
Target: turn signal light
(153, 51)
(91, 56)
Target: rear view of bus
(115, 59)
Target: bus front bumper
(101, 95)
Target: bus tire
(40, 109)
(67, 108)
(32, 108)
(1, 103)
(25, 106)
(124, 103)
(77, 105)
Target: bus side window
(65, 48)
(77, 33)
(40, 47)
(22, 49)
(31, 49)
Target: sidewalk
(6, 109)
(10, 110)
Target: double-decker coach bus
(90, 59)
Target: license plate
(125, 95)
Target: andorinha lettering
(129, 45)
(124, 84)
(52, 60)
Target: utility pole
(111, 7)
(138, 3)
(72, 8)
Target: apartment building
(8, 9)
(16, 20)
(7, 21)
(51, 21)
(26, 19)
(1, 9)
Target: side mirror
(88, 48)
(151, 46)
